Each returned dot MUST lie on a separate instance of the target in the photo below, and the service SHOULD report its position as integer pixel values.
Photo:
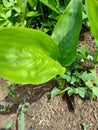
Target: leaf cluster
(37, 14)
(31, 56)
(79, 79)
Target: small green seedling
(79, 79)
(8, 125)
(85, 126)
(22, 109)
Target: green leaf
(90, 57)
(20, 4)
(93, 72)
(51, 4)
(70, 91)
(55, 92)
(81, 91)
(33, 3)
(63, 4)
(85, 126)
(66, 77)
(84, 50)
(95, 91)
(8, 125)
(28, 56)
(22, 125)
(92, 12)
(22, 121)
(6, 3)
(66, 31)
(8, 14)
(87, 76)
(89, 84)
(31, 14)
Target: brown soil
(86, 38)
(43, 113)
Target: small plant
(30, 56)
(22, 109)
(5, 109)
(85, 126)
(22, 123)
(8, 125)
(79, 79)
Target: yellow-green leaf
(28, 56)
(66, 31)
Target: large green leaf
(28, 56)
(66, 32)
(92, 12)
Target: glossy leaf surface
(66, 32)
(28, 56)
(92, 12)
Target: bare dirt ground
(43, 113)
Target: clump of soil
(87, 39)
